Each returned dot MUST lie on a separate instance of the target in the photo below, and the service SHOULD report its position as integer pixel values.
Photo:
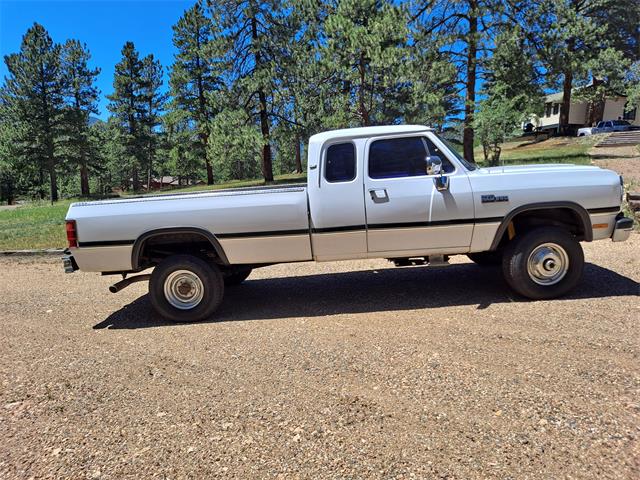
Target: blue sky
(104, 25)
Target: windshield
(468, 165)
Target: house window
(556, 108)
(547, 109)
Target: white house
(614, 109)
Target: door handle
(379, 195)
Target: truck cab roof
(351, 133)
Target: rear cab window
(403, 157)
(340, 163)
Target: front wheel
(186, 288)
(543, 263)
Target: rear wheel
(186, 288)
(543, 263)
(487, 259)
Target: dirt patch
(8, 207)
(341, 370)
(623, 159)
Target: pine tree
(194, 75)
(366, 42)
(152, 104)
(34, 93)
(568, 40)
(621, 22)
(511, 70)
(633, 87)
(251, 35)
(182, 160)
(10, 172)
(468, 27)
(511, 92)
(305, 87)
(81, 101)
(126, 105)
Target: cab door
(405, 212)
(337, 216)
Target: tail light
(72, 234)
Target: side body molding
(140, 241)
(578, 209)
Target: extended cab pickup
(398, 192)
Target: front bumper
(69, 263)
(622, 228)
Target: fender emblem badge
(494, 198)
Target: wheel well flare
(571, 217)
(152, 247)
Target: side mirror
(434, 165)
(442, 183)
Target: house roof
(558, 96)
(554, 97)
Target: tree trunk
(203, 114)
(7, 193)
(267, 166)
(470, 100)
(563, 123)
(54, 183)
(364, 113)
(41, 186)
(298, 155)
(136, 179)
(204, 138)
(84, 180)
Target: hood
(538, 168)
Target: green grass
(34, 225)
(554, 150)
(38, 225)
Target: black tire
(518, 253)
(235, 277)
(211, 285)
(487, 259)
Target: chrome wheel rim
(548, 264)
(183, 289)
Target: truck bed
(254, 225)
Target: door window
(403, 157)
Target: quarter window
(340, 165)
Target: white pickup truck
(606, 127)
(398, 192)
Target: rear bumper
(69, 263)
(622, 228)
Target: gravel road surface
(345, 370)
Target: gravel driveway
(346, 370)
